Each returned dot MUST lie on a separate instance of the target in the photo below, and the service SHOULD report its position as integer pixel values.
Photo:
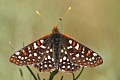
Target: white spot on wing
(60, 60)
(77, 55)
(45, 65)
(19, 57)
(93, 58)
(17, 53)
(64, 58)
(22, 58)
(69, 47)
(41, 41)
(49, 57)
(50, 50)
(39, 57)
(47, 51)
(77, 47)
(63, 66)
(35, 45)
(94, 54)
(30, 55)
(35, 54)
(82, 55)
(61, 50)
(70, 41)
(65, 52)
(42, 46)
(68, 66)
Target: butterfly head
(55, 30)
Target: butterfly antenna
(64, 15)
(62, 27)
(43, 17)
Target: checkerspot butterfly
(56, 51)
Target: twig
(52, 74)
(32, 73)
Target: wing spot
(39, 57)
(82, 55)
(49, 57)
(77, 55)
(62, 51)
(45, 58)
(50, 65)
(73, 58)
(90, 59)
(83, 52)
(25, 57)
(33, 59)
(52, 59)
(35, 46)
(19, 57)
(42, 46)
(69, 47)
(64, 58)
(74, 43)
(50, 50)
(77, 47)
(63, 66)
(68, 66)
(94, 54)
(86, 58)
(29, 51)
(47, 51)
(35, 54)
(41, 41)
(60, 60)
(63, 62)
(45, 65)
(30, 55)
(22, 58)
(65, 52)
(17, 53)
(93, 58)
(67, 59)
(70, 41)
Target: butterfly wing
(32, 53)
(80, 54)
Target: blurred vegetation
(94, 23)
(51, 76)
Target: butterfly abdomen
(56, 48)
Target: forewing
(32, 53)
(80, 54)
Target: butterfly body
(56, 51)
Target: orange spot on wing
(28, 62)
(16, 62)
(11, 59)
(24, 52)
(88, 53)
(85, 64)
(98, 62)
(74, 43)
(38, 43)
(101, 60)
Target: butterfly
(56, 51)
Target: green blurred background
(94, 23)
